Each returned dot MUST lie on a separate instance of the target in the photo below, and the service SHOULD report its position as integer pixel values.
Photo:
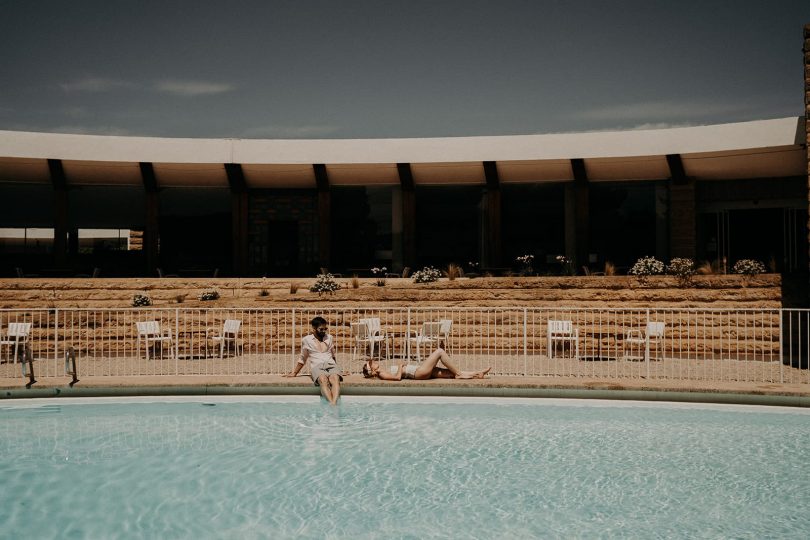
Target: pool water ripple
(384, 468)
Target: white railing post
(176, 334)
(781, 351)
(647, 344)
(525, 341)
(292, 338)
(56, 334)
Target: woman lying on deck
(426, 370)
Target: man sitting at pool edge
(319, 348)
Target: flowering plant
(566, 265)
(526, 262)
(209, 295)
(324, 283)
(646, 267)
(748, 267)
(682, 268)
(379, 274)
(473, 265)
(141, 300)
(426, 275)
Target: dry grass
(453, 271)
(294, 287)
(180, 298)
(265, 292)
(610, 268)
(355, 282)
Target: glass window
(26, 240)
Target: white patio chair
(431, 333)
(361, 338)
(149, 332)
(16, 335)
(651, 337)
(562, 332)
(376, 335)
(229, 336)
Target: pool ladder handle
(70, 365)
(26, 357)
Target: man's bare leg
(326, 391)
(334, 381)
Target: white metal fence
(754, 345)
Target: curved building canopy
(759, 149)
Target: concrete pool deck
(789, 394)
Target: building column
(408, 197)
(239, 217)
(682, 210)
(806, 50)
(577, 224)
(324, 215)
(151, 233)
(492, 253)
(60, 212)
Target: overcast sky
(412, 68)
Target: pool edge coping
(684, 396)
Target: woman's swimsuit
(409, 372)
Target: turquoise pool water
(401, 468)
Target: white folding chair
(651, 337)
(562, 332)
(16, 335)
(229, 335)
(149, 332)
(427, 335)
(376, 336)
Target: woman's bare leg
(425, 369)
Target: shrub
(264, 292)
(610, 269)
(294, 287)
(453, 271)
(748, 267)
(325, 283)
(525, 262)
(566, 265)
(209, 295)
(379, 275)
(355, 282)
(180, 298)
(683, 269)
(646, 267)
(141, 300)
(427, 274)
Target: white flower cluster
(324, 283)
(647, 266)
(377, 271)
(472, 264)
(749, 267)
(525, 259)
(426, 275)
(682, 268)
(141, 300)
(209, 295)
(562, 259)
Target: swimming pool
(400, 467)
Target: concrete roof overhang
(759, 149)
